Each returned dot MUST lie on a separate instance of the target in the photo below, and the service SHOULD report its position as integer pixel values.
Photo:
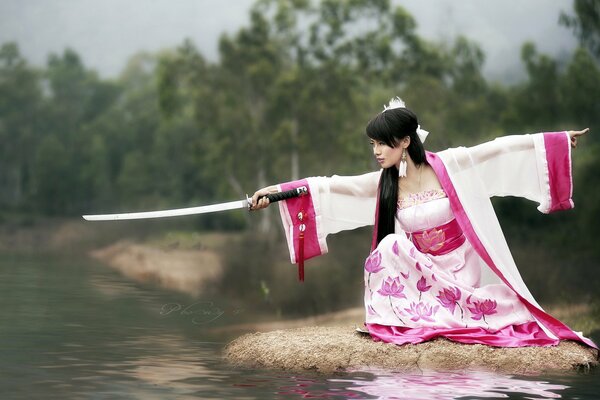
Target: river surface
(71, 328)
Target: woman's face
(385, 155)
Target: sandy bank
(185, 270)
(329, 349)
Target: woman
(439, 264)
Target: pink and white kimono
(447, 270)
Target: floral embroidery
(412, 253)
(448, 298)
(414, 199)
(372, 266)
(422, 286)
(432, 240)
(373, 263)
(395, 248)
(421, 311)
(480, 309)
(392, 287)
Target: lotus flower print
(422, 311)
(432, 240)
(412, 253)
(392, 287)
(449, 297)
(480, 309)
(422, 285)
(395, 248)
(373, 263)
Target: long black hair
(390, 127)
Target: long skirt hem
(518, 335)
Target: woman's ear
(405, 142)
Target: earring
(403, 165)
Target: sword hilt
(275, 197)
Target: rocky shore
(335, 349)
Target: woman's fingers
(256, 203)
(258, 199)
(582, 132)
(263, 202)
(574, 134)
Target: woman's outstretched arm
(537, 167)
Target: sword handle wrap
(288, 194)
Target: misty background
(105, 34)
(139, 105)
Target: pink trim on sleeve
(558, 157)
(558, 328)
(290, 210)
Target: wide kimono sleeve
(536, 167)
(333, 204)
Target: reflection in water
(75, 330)
(168, 360)
(449, 385)
(387, 385)
(112, 288)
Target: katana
(232, 205)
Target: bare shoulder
(430, 179)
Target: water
(71, 328)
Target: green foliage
(21, 118)
(263, 278)
(288, 97)
(585, 24)
(52, 175)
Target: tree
(585, 24)
(20, 123)
(52, 177)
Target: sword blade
(232, 205)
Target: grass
(583, 317)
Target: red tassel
(301, 229)
(301, 257)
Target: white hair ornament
(397, 102)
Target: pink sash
(439, 240)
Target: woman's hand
(263, 202)
(574, 134)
